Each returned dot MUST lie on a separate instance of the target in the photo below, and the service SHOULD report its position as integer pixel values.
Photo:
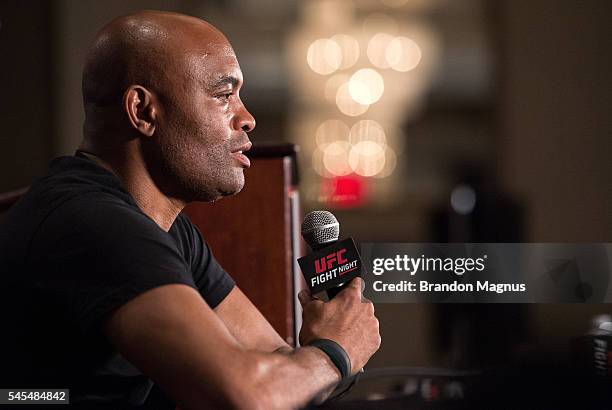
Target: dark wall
(556, 148)
(26, 111)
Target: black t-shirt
(72, 250)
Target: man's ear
(141, 109)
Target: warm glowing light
(347, 105)
(367, 158)
(333, 84)
(349, 50)
(377, 49)
(403, 54)
(330, 131)
(324, 56)
(390, 163)
(317, 163)
(335, 158)
(366, 86)
(367, 130)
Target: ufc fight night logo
(331, 266)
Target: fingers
(304, 296)
(357, 285)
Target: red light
(344, 192)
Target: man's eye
(225, 97)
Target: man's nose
(244, 120)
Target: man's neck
(162, 209)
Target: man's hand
(347, 320)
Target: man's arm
(172, 335)
(248, 326)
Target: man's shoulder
(69, 179)
(72, 178)
(65, 209)
(100, 214)
(62, 203)
(98, 227)
(78, 205)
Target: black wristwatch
(336, 353)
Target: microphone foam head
(319, 228)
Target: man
(107, 287)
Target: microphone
(319, 229)
(332, 263)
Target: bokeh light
(336, 158)
(366, 86)
(330, 131)
(403, 54)
(463, 199)
(332, 85)
(377, 49)
(349, 50)
(317, 163)
(367, 158)
(343, 192)
(367, 130)
(390, 163)
(346, 104)
(324, 56)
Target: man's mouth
(238, 154)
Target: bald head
(143, 48)
(161, 95)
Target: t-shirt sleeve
(95, 254)
(212, 281)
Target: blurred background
(417, 121)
